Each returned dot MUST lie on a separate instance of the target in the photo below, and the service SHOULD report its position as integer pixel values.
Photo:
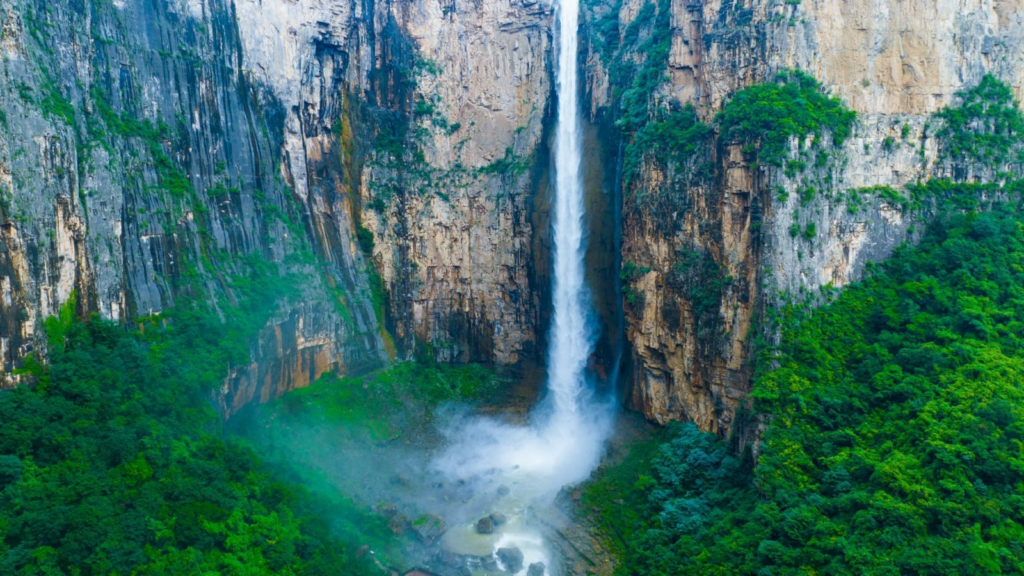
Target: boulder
(450, 559)
(485, 525)
(429, 528)
(512, 558)
(497, 518)
(535, 569)
(504, 490)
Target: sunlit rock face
(895, 63)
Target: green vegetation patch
(381, 406)
(170, 177)
(647, 39)
(672, 137)
(615, 499)
(769, 114)
(896, 427)
(668, 136)
(987, 127)
(110, 463)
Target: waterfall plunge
(566, 440)
(572, 335)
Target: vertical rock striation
(142, 169)
(441, 107)
(392, 157)
(381, 154)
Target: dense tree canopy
(110, 463)
(895, 442)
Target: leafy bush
(986, 127)
(772, 113)
(674, 137)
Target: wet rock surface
(511, 558)
(398, 524)
(429, 528)
(484, 526)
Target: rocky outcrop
(895, 63)
(391, 159)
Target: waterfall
(572, 336)
(565, 442)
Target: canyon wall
(895, 63)
(389, 160)
(442, 106)
(380, 156)
(141, 170)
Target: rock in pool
(535, 569)
(512, 558)
(484, 525)
(429, 528)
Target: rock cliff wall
(142, 169)
(390, 158)
(382, 155)
(442, 106)
(730, 229)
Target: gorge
(393, 257)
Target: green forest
(113, 462)
(893, 439)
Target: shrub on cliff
(794, 105)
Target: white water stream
(566, 440)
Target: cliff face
(390, 158)
(141, 168)
(438, 111)
(731, 232)
(380, 155)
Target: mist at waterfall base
(522, 468)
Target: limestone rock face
(383, 153)
(442, 108)
(895, 63)
(393, 158)
(141, 167)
